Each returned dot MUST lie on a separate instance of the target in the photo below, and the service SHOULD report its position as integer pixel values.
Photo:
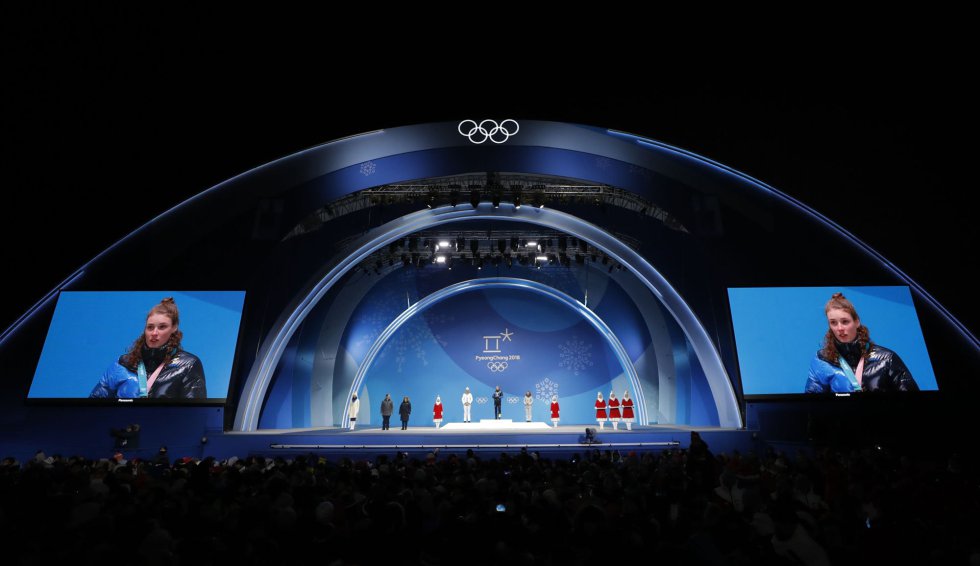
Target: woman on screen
(849, 361)
(156, 366)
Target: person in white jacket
(355, 406)
(528, 403)
(467, 404)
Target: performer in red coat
(628, 410)
(554, 410)
(614, 410)
(600, 410)
(437, 411)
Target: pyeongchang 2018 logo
(493, 352)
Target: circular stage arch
(292, 318)
(250, 219)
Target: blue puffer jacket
(883, 371)
(183, 378)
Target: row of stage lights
(496, 197)
(535, 253)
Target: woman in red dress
(600, 410)
(554, 410)
(614, 410)
(628, 410)
(437, 412)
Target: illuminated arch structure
(252, 232)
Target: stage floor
(479, 428)
(491, 437)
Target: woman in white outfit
(355, 406)
(528, 403)
(467, 404)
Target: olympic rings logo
(488, 130)
(497, 366)
(512, 400)
(482, 400)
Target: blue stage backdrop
(779, 330)
(515, 339)
(447, 348)
(91, 329)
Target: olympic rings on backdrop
(488, 130)
(497, 366)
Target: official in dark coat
(404, 411)
(387, 408)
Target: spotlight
(442, 244)
(531, 244)
(440, 259)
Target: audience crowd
(815, 507)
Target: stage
(198, 433)
(487, 438)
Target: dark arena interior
(718, 323)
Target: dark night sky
(109, 125)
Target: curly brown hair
(168, 308)
(829, 351)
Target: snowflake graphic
(368, 168)
(641, 171)
(376, 319)
(575, 355)
(412, 339)
(544, 389)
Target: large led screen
(780, 335)
(123, 347)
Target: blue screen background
(778, 330)
(91, 329)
